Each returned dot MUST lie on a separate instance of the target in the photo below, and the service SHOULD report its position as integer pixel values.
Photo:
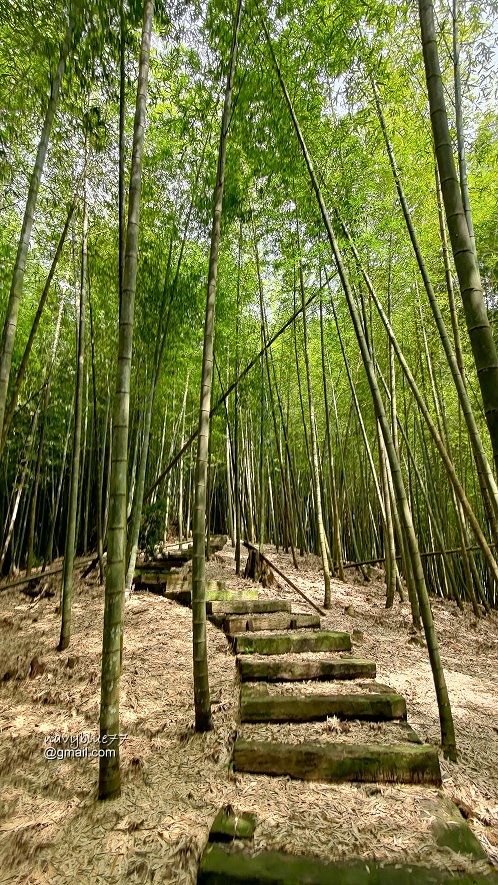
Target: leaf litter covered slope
(52, 829)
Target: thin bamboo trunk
(36, 483)
(162, 335)
(109, 770)
(286, 503)
(17, 494)
(133, 471)
(336, 527)
(443, 428)
(298, 376)
(188, 520)
(108, 473)
(168, 479)
(265, 359)
(361, 422)
(21, 372)
(203, 720)
(478, 326)
(99, 453)
(230, 443)
(70, 542)
(180, 467)
(284, 421)
(389, 544)
(18, 543)
(469, 581)
(261, 464)
(436, 522)
(53, 518)
(452, 475)
(161, 455)
(230, 490)
(445, 715)
(10, 325)
(354, 540)
(449, 277)
(462, 162)
(236, 478)
(193, 436)
(315, 467)
(84, 449)
(484, 470)
(121, 149)
(88, 492)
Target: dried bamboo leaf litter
(51, 828)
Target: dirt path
(53, 831)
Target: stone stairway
(276, 652)
(293, 676)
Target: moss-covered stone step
(400, 763)
(215, 592)
(257, 706)
(160, 582)
(223, 866)
(449, 828)
(280, 669)
(182, 597)
(283, 643)
(387, 733)
(228, 826)
(178, 554)
(271, 621)
(154, 578)
(174, 559)
(248, 606)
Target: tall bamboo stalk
(452, 475)
(10, 324)
(203, 721)
(445, 715)
(70, 542)
(46, 397)
(478, 325)
(21, 372)
(484, 470)
(462, 161)
(315, 467)
(109, 769)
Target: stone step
(271, 621)
(248, 606)
(331, 730)
(176, 558)
(157, 578)
(261, 706)
(178, 554)
(282, 643)
(281, 669)
(159, 582)
(401, 763)
(222, 865)
(228, 826)
(215, 592)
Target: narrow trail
(294, 672)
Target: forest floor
(52, 829)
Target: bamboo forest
(249, 442)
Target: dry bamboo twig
(37, 576)
(454, 550)
(285, 578)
